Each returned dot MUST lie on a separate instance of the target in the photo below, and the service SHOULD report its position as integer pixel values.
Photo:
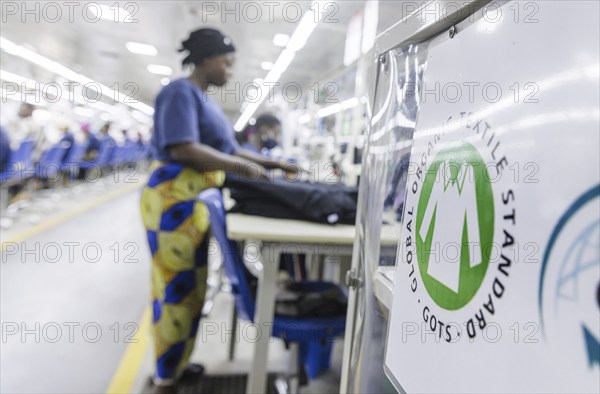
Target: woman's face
(270, 132)
(218, 69)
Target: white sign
(497, 285)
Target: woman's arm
(267, 162)
(202, 158)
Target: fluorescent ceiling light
(332, 109)
(303, 31)
(281, 64)
(10, 77)
(52, 66)
(28, 99)
(109, 13)
(266, 66)
(141, 49)
(28, 87)
(305, 28)
(57, 68)
(159, 70)
(304, 119)
(281, 40)
(335, 108)
(350, 103)
(252, 91)
(246, 115)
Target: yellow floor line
(53, 221)
(129, 367)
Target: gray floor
(65, 323)
(70, 318)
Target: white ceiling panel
(97, 49)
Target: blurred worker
(247, 139)
(263, 136)
(105, 136)
(4, 148)
(67, 140)
(92, 143)
(26, 128)
(194, 147)
(268, 132)
(126, 140)
(140, 142)
(15, 192)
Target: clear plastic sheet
(382, 192)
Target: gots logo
(455, 226)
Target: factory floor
(74, 300)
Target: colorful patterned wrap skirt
(177, 227)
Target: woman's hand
(202, 158)
(290, 167)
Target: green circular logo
(455, 226)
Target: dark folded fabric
(305, 299)
(317, 202)
(310, 300)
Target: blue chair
(130, 156)
(118, 156)
(99, 164)
(148, 151)
(125, 157)
(73, 160)
(103, 159)
(50, 163)
(18, 169)
(314, 336)
(20, 165)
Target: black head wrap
(204, 43)
(267, 120)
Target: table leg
(321, 266)
(263, 318)
(317, 264)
